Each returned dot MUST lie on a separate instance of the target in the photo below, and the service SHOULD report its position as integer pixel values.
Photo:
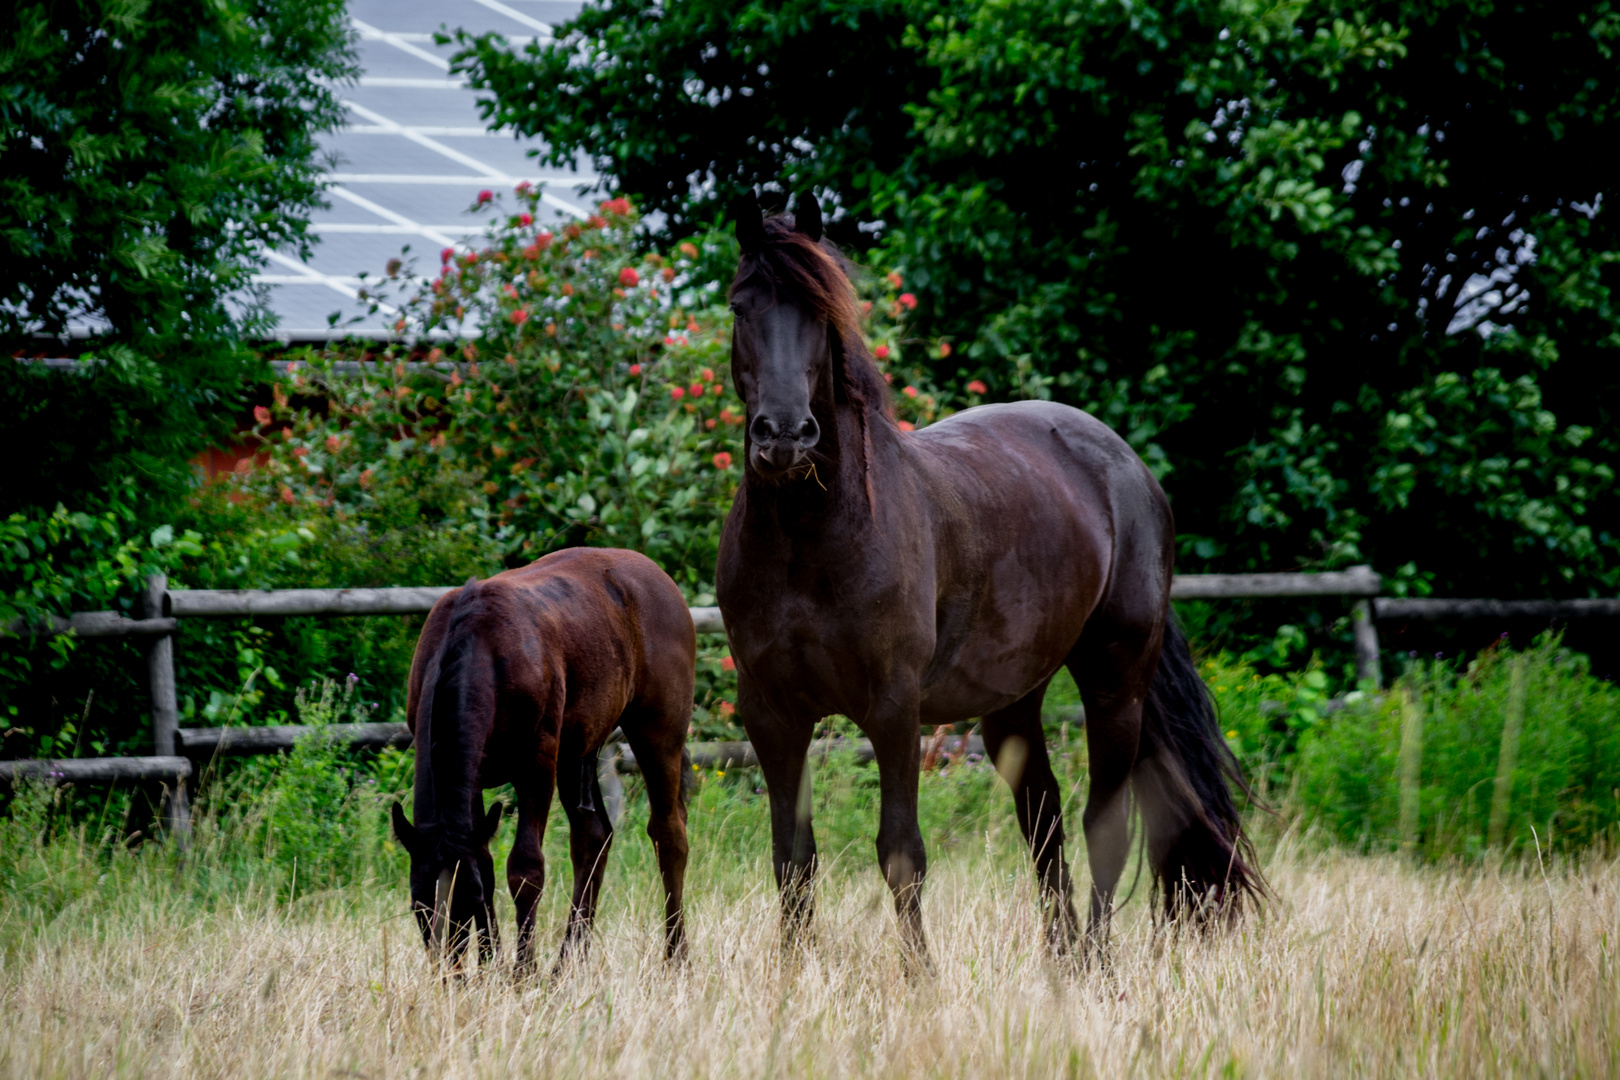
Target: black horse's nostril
(764, 429)
(809, 431)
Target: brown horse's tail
(1202, 860)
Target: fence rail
(179, 748)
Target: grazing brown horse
(906, 580)
(519, 679)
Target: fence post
(1507, 759)
(175, 811)
(1368, 669)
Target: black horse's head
(796, 329)
(448, 892)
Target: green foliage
(1239, 233)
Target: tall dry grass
(1364, 967)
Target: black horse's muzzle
(779, 447)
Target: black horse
(909, 579)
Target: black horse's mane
(816, 274)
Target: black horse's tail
(1202, 860)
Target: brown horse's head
(796, 348)
(448, 890)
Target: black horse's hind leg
(1113, 666)
(590, 834)
(658, 741)
(901, 854)
(1015, 742)
(782, 747)
(489, 935)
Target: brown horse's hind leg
(590, 834)
(659, 741)
(1113, 665)
(526, 865)
(1015, 742)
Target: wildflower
(910, 391)
(722, 460)
(635, 369)
(519, 316)
(447, 254)
(697, 390)
(727, 664)
(485, 196)
(727, 709)
(717, 389)
(977, 387)
(595, 221)
(523, 187)
(691, 326)
(866, 307)
(894, 278)
(399, 327)
(629, 278)
(568, 288)
(300, 451)
(708, 425)
(572, 232)
(944, 349)
(907, 425)
(619, 206)
(333, 444)
(707, 374)
(689, 249)
(510, 290)
(261, 415)
(525, 219)
(287, 495)
(908, 301)
(677, 392)
(881, 352)
(353, 680)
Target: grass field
(1363, 966)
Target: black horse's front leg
(894, 730)
(783, 748)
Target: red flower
(447, 254)
(722, 460)
(908, 300)
(907, 425)
(287, 496)
(944, 349)
(635, 369)
(676, 392)
(595, 221)
(519, 316)
(525, 219)
(532, 252)
(629, 278)
(523, 187)
(616, 206)
(261, 415)
(977, 387)
(709, 423)
(727, 708)
(727, 664)
(881, 352)
(484, 196)
(333, 443)
(689, 249)
(894, 278)
(365, 478)
(300, 451)
(717, 389)
(707, 374)
(697, 389)
(910, 391)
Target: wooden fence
(177, 749)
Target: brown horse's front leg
(526, 866)
(900, 850)
(590, 835)
(782, 747)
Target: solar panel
(411, 160)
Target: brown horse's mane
(816, 274)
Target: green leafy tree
(149, 153)
(1342, 272)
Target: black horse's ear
(409, 838)
(750, 222)
(491, 822)
(807, 217)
